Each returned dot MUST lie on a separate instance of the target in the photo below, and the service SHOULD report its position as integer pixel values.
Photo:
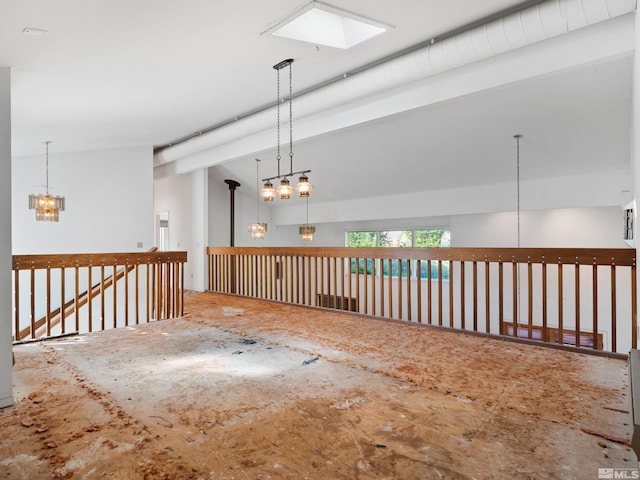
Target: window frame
(381, 267)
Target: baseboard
(6, 402)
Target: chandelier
(258, 228)
(284, 189)
(307, 231)
(47, 206)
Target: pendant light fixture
(307, 231)
(284, 189)
(47, 207)
(258, 228)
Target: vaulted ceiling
(151, 72)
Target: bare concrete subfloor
(246, 389)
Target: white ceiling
(114, 74)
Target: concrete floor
(241, 388)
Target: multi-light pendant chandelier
(47, 206)
(284, 189)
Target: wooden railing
(580, 297)
(64, 293)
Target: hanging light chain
(518, 136)
(284, 189)
(258, 190)
(278, 118)
(290, 118)
(46, 163)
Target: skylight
(322, 24)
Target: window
(362, 239)
(419, 238)
(428, 238)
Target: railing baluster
(463, 309)
(408, 290)
(62, 302)
(390, 285)
(306, 279)
(419, 289)
(48, 313)
(440, 291)
(335, 284)
(33, 303)
(634, 310)
(614, 312)
(345, 301)
(291, 274)
(450, 293)
(365, 281)
(501, 298)
(137, 283)
(16, 303)
(515, 294)
(529, 300)
(475, 295)
(399, 288)
(90, 299)
(594, 294)
(167, 282)
(102, 315)
(487, 297)
(560, 305)
(154, 282)
(357, 273)
(577, 298)
(317, 287)
(322, 291)
(281, 277)
(299, 279)
(115, 296)
(76, 296)
(148, 293)
(373, 286)
(429, 293)
(545, 334)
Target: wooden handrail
(583, 256)
(71, 260)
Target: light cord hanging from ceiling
(46, 206)
(257, 228)
(290, 118)
(278, 101)
(518, 136)
(307, 231)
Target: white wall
(121, 178)
(579, 190)
(599, 227)
(578, 211)
(6, 396)
(185, 199)
(591, 227)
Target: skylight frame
(349, 29)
